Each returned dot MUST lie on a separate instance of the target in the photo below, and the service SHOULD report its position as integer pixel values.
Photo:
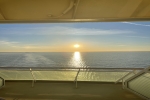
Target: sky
(61, 37)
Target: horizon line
(70, 51)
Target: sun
(76, 45)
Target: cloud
(80, 31)
(34, 46)
(136, 24)
(8, 42)
(64, 30)
(14, 46)
(137, 37)
(20, 45)
(29, 47)
(121, 45)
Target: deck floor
(65, 91)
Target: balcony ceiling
(31, 11)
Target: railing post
(122, 84)
(77, 78)
(34, 80)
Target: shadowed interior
(52, 90)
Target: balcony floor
(43, 90)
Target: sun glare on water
(76, 45)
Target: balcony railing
(136, 80)
(140, 83)
(67, 74)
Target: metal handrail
(123, 85)
(77, 77)
(124, 76)
(62, 68)
(34, 80)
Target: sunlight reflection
(77, 56)
(76, 60)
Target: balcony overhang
(51, 11)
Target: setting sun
(76, 45)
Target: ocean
(76, 59)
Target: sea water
(76, 59)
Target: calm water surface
(76, 59)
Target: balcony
(71, 84)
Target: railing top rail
(62, 68)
